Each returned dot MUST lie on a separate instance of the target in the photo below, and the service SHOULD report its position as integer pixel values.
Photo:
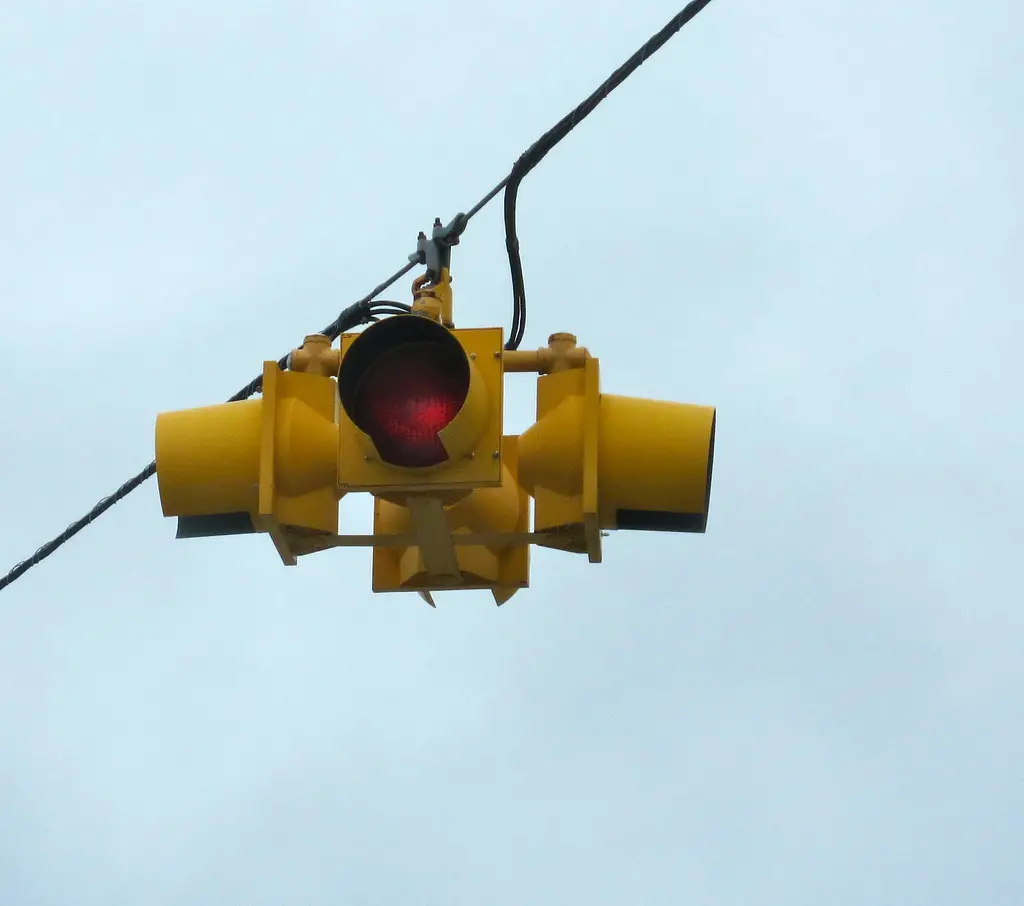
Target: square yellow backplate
(360, 467)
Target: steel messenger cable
(366, 310)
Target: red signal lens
(406, 397)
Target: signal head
(402, 384)
(421, 406)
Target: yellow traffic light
(481, 542)
(421, 407)
(266, 465)
(410, 410)
(595, 461)
(420, 428)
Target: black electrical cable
(537, 151)
(384, 307)
(365, 311)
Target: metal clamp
(436, 252)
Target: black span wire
(358, 313)
(539, 149)
(366, 311)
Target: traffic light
(420, 429)
(410, 411)
(261, 465)
(593, 461)
(421, 407)
(494, 519)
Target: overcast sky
(804, 212)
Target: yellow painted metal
(654, 464)
(560, 353)
(591, 462)
(273, 459)
(429, 524)
(496, 516)
(462, 437)
(551, 451)
(594, 461)
(315, 356)
(472, 439)
(434, 300)
(299, 449)
(312, 544)
(208, 459)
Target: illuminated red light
(406, 397)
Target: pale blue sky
(804, 212)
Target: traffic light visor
(403, 383)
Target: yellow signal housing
(594, 461)
(421, 407)
(264, 465)
(410, 410)
(497, 518)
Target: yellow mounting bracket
(434, 299)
